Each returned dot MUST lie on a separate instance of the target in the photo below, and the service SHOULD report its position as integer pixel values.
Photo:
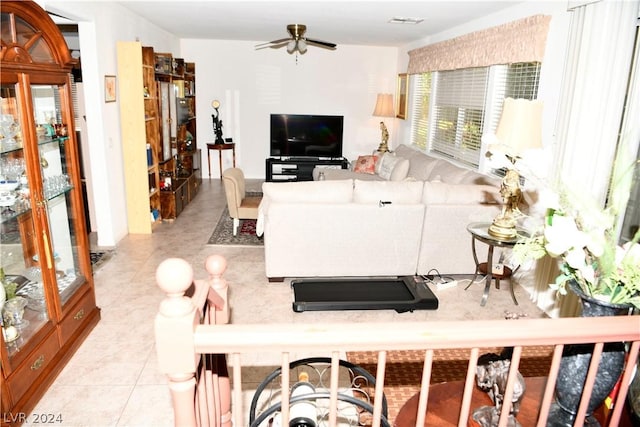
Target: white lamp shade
(291, 46)
(520, 127)
(384, 106)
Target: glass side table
(480, 232)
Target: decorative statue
(384, 145)
(491, 376)
(217, 123)
(505, 224)
(511, 193)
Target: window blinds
(451, 110)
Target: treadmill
(401, 294)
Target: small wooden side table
(220, 148)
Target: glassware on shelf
(11, 170)
(13, 312)
(57, 184)
(9, 129)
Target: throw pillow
(366, 164)
(388, 163)
(400, 170)
(379, 161)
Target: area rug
(223, 233)
(403, 371)
(99, 258)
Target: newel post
(174, 329)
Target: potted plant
(605, 276)
(584, 239)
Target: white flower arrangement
(583, 237)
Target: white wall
(252, 84)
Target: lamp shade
(384, 106)
(302, 46)
(520, 126)
(291, 46)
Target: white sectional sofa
(339, 227)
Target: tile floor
(113, 378)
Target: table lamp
(384, 108)
(519, 129)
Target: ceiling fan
(297, 41)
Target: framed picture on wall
(401, 96)
(109, 88)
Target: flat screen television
(300, 135)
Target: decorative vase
(575, 364)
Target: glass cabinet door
(62, 203)
(23, 302)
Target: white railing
(193, 337)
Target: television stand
(298, 168)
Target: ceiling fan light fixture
(302, 46)
(291, 46)
(297, 42)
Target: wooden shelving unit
(140, 125)
(157, 111)
(184, 167)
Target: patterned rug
(98, 258)
(404, 369)
(223, 233)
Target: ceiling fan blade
(322, 44)
(271, 46)
(274, 42)
(279, 45)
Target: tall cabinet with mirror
(47, 294)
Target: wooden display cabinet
(45, 246)
(183, 168)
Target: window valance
(518, 41)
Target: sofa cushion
(400, 192)
(448, 172)
(337, 191)
(441, 193)
(366, 164)
(420, 164)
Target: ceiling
(341, 22)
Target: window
(451, 110)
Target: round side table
(480, 232)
